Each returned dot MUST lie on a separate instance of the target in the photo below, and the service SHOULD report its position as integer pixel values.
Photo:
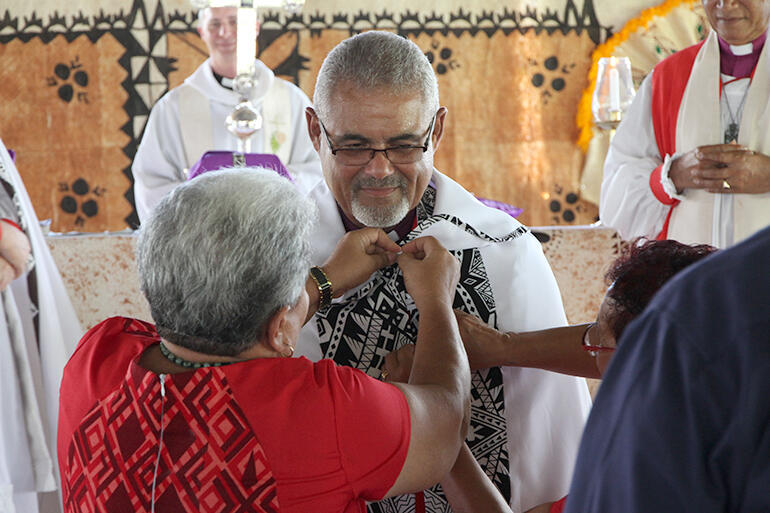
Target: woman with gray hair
(206, 411)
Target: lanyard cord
(160, 438)
(740, 105)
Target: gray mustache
(387, 182)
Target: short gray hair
(376, 60)
(221, 254)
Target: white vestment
(169, 149)
(627, 202)
(544, 411)
(37, 337)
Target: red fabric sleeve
(660, 194)
(558, 506)
(657, 188)
(373, 429)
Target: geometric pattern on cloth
(210, 459)
(426, 218)
(381, 317)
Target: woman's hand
(430, 272)
(485, 346)
(357, 255)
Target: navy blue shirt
(682, 419)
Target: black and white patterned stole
(381, 317)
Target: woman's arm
(438, 391)
(556, 349)
(468, 488)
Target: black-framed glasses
(404, 154)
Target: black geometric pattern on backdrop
(80, 199)
(70, 80)
(382, 317)
(144, 35)
(563, 205)
(549, 76)
(441, 58)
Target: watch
(324, 287)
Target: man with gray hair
(376, 125)
(190, 119)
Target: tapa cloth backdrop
(79, 81)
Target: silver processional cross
(244, 120)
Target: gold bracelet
(324, 287)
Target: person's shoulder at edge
(695, 47)
(165, 106)
(200, 76)
(201, 79)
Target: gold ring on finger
(384, 374)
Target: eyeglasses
(591, 349)
(405, 154)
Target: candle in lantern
(614, 87)
(246, 40)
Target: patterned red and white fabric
(235, 438)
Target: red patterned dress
(265, 435)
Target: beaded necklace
(186, 363)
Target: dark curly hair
(642, 268)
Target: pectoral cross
(245, 120)
(731, 134)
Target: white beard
(380, 217)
